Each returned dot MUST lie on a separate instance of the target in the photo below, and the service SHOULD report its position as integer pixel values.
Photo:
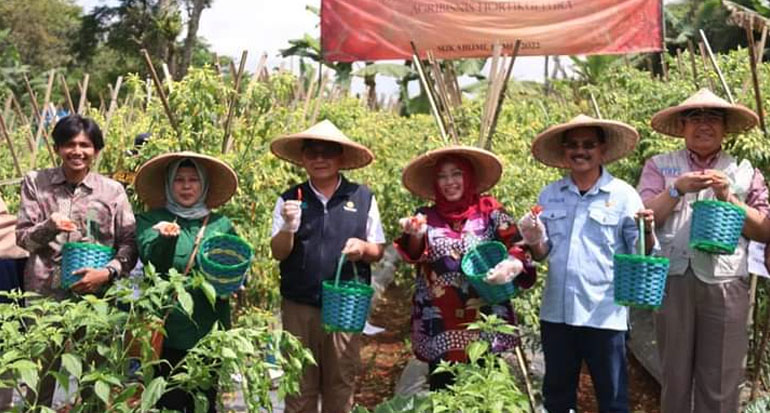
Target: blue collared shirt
(584, 232)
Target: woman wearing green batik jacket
(181, 189)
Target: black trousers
(179, 399)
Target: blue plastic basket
(716, 226)
(475, 265)
(224, 260)
(639, 280)
(79, 255)
(345, 304)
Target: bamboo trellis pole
(83, 94)
(716, 66)
(501, 95)
(8, 140)
(228, 141)
(428, 92)
(161, 92)
(66, 90)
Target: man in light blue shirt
(587, 217)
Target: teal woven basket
(79, 255)
(345, 304)
(224, 259)
(475, 265)
(716, 226)
(639, 280)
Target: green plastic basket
(79, 255)
(475, 265)
(639, 280)
(716, 226)
(224, 259)
(345, 304)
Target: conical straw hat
(419, 174)
(738, 117)
(150, 182)
(620, 140)
(289, 148)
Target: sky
(231, 26)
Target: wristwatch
(673, 192)
(113, 273)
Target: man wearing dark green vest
(313, 224)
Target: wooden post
(167, 77)
(501, 97)
(664, 66)
(755, 80)
(679, 66)
(4, 131)
(525, 374)
(83, 94)
(545, 76)
(694, 67)
(443, 96)
(650, 67)
(716, 66)
(227, 141)
(66, 90)
(161, 92)
(486, 110)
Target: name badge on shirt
(350, 207)
(670, 171)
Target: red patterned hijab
(459, 211)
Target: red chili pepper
(536, 210)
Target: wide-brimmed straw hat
(150, 182)
(418, 176)
(620, 140)
(738, 118)
(289, 148)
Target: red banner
(353, 30)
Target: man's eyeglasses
(321, 152)
(587, 145)
(704, 117)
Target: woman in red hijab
(435, 240)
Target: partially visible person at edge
(701, 327)
(12, 260)
(56, 206)
(437, 237)
(587, 217)
(181, 189)
(313, 224)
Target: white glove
(532, 228)
(415, 226)
(505, 271)
(292, 216)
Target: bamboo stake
(649, 67)
(501, 96)
(694, 67)
(716, 66)
(525, 373)
(41, 126)
(679, 66)
(147, 92)
(25, 121)
(704, 60)
(595, 106)
(310, 92)
(443, 96)
(66, 90)
(83, 94)
(167, 78)
(161, 92)
(428, 92)
(758, 355)
(319, 98)
(7, 107)
(487, 108)
(32, 98)
(545, 76)
(457, 95)
(260, 65)
(4, 131)
(664, 66)
(755, 80)
(227, 141)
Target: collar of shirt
(696, 164)
(602, 184)
(59, 178)
(321, 197)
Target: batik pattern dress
(444, 301)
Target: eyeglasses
(705, 117)
(587, 145)
(321, 152)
